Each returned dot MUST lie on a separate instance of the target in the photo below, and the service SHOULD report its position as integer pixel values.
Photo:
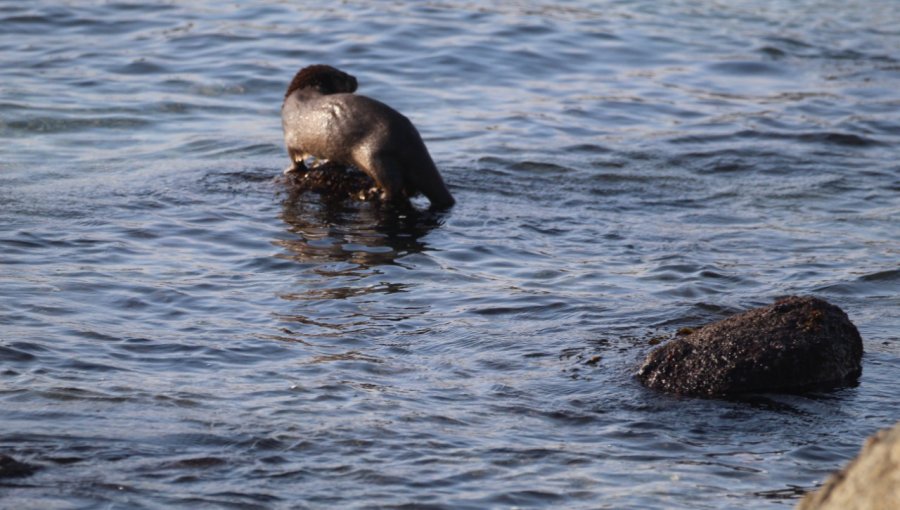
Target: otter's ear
(338, 82)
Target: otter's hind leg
(383, 169)
(425, 178)
(433, 187)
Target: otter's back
(332, 126)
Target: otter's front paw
(295, 168)
(385, 195)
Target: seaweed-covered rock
(798, 343)
(334, 181)
(871, 481)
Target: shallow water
(178, 329)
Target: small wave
(879, 283)
(823, 138)
(140, 66)
(68, 125)
(892, 275)
(747, 68)
(541, 167)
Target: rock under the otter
(871, 481)
(796, 344)
(11, 468)
(334, 181)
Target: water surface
(177, 328)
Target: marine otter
(323, 119)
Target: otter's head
(325, 79)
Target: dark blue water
(178, 329)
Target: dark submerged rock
(798, 343)
(11, 468)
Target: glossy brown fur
(325, 79)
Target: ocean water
(179, 328)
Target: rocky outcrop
(869, 482)
(798, 343)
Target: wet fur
(323, 119)
(325, 79)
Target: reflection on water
(363, 233)
(345, 244)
